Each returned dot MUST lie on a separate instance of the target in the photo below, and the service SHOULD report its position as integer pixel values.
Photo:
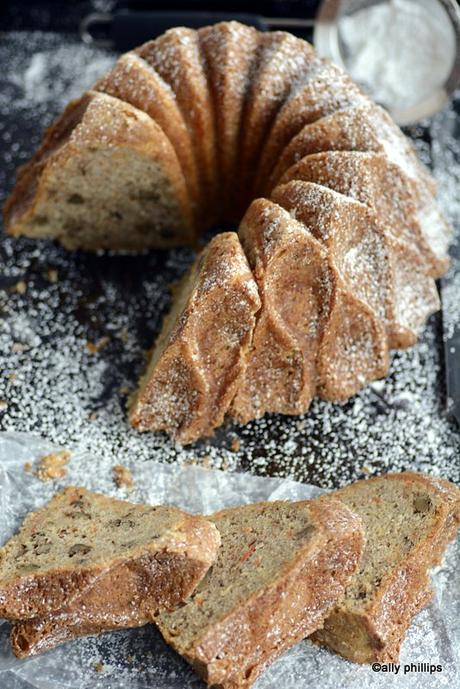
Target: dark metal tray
(55, 305)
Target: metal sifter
(417, 42)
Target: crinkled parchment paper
(139, 659)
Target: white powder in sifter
(401, 51)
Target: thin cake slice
(143, 201)
(199, 356)
(64, 548)
(408, 521)
(281, 566)
(128, 595)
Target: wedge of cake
(281, 566)
(132, 559)
(199, 356)
(408, 521)
(144, 199)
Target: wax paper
(139, 658)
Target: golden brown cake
(408, 521)
(191, 129)
(280, 568)
(200, 354)
(63, 549)
(60, 193)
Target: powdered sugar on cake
(55, 388)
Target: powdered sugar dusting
(54, 303)
(52, 72)
(54, 386)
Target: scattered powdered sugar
(56, 305)
(59, 382)
(401, 51)
(53, 71)
(450, 305)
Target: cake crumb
(20, 287)
(52, 275)
(235, 445)
(12, 376)
(122, 477)
(52, 466)
(95, 347)
(99, 667)
(28, 467)
(3, 405)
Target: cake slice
(143, 201)
(199, 356)
(408, 521)
(281, 566)
(155, 555)
(229, 50)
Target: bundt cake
(341, 229)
